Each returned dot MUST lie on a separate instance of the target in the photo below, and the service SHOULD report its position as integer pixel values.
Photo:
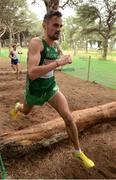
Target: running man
(41, 86)
(14, 59)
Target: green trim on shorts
(43, 94)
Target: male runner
(41, 85)
(14, 59)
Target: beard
(56, 36)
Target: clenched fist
(66, 59)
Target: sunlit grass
(102, 72)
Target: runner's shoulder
(36, 42)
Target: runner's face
(53, 28)
(14, 48)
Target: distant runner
(14, 60)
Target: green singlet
(42, 89)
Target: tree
(25, 23)
(2, 31)
(36, 29)
(2, 25)
(17, 19)
(98, 18)
(56, 4)
(73, 37)
(10, 14)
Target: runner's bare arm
(10, 54)
(35, 71)
(34, 55)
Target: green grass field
(101, 71)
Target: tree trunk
(51, 132)
(112, 42)
(2, 32)
(18, 38)
(10, 36)
(105, 48)
(52, 5)
(86, 46)
(74, 48)
(24, 39)
(99, 44)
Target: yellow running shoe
(14, 111)
(85, 161)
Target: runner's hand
(66, 59)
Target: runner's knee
(67, 118)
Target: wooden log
(12, 72)
(53, 131)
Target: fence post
(88, 70)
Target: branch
(34, 2)
(107, 5)
(64, 4)
(4, 30)
(88, 31)
(75, 3)
(113, 34)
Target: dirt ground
(57, 162)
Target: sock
(78, 151)
(17, 106)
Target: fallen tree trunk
(12, 72)
(51, 132)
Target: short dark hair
(14, 45)
(50, 14)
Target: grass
(4, 52)
(101, 71)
